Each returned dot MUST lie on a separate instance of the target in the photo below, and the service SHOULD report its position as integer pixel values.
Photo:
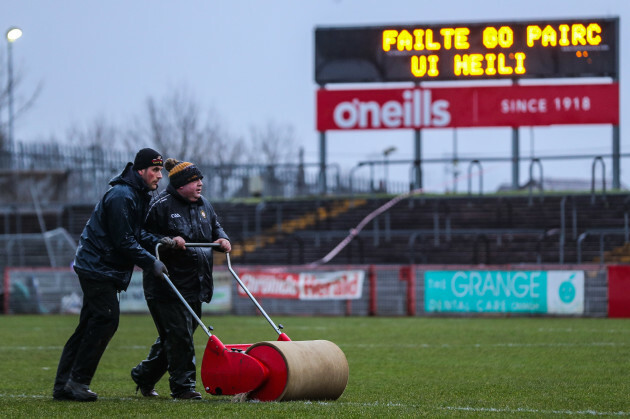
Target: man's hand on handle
(159, 268)
(225, 245)
(173, 243)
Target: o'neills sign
(339, 285)
(511, 106)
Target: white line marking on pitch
(376, 345)
(483, 409)
(535, 411)
(571, 330)
(479, 345)
(392, 404)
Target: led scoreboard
(468, 51)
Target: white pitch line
(535, 411)
(390, 405)
(58, 348)
(571, 330)
(479, 345)
(383, 345)
(480, 409)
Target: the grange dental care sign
(468, 51)
(551, 292)
(513, 106)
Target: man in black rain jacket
(110, 245)
(183, 213)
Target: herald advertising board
(544, 292)
(338, 285)
(487, 106)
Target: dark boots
(75, 391)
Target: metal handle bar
(249, 294)
(236, 277)
(183, 300)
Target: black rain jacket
(113, 238)
(190, 270)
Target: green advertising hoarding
(544, 292)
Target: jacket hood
(130, 177)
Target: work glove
(168, 242)
(159, 268)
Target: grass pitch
(399, 367)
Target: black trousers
(173, 350)
(98, 322)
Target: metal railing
(478, 162)
(602, 235)
(86, 171)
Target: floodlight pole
(12, 34)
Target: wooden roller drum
(300, 370)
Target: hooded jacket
(110, 244)
(190, 270)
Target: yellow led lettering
(519, 68)
(461, 38)
(419, 65)
(433, 70)
(418, 35)
(564, 35)
(389, 38)
(501, 67)
(424, 65)
(490, 37)
(495, 54)
(491, 69)
(475, 64)
(549, 37)
(591, 30)
(460, 65)
(533, 34)
(404, 41)
(506, 36)
(578, 34)
(447, 34)
(428, 38)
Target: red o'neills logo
(415, 109)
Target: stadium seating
(441, 229)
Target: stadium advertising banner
(487, 106)
(57, 290)
(42, 291)
(338, 285)
(527, 292)
(133, 301)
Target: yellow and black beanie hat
(181, 172)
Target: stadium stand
(503, 229)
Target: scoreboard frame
(526, 49)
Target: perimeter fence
(57, 173)
(383, 290)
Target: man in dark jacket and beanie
(110, 245)
(180, 212)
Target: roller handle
(282, 336)
(249, 294)
(251, 297)
(182, 299)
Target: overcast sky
(252, 61)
